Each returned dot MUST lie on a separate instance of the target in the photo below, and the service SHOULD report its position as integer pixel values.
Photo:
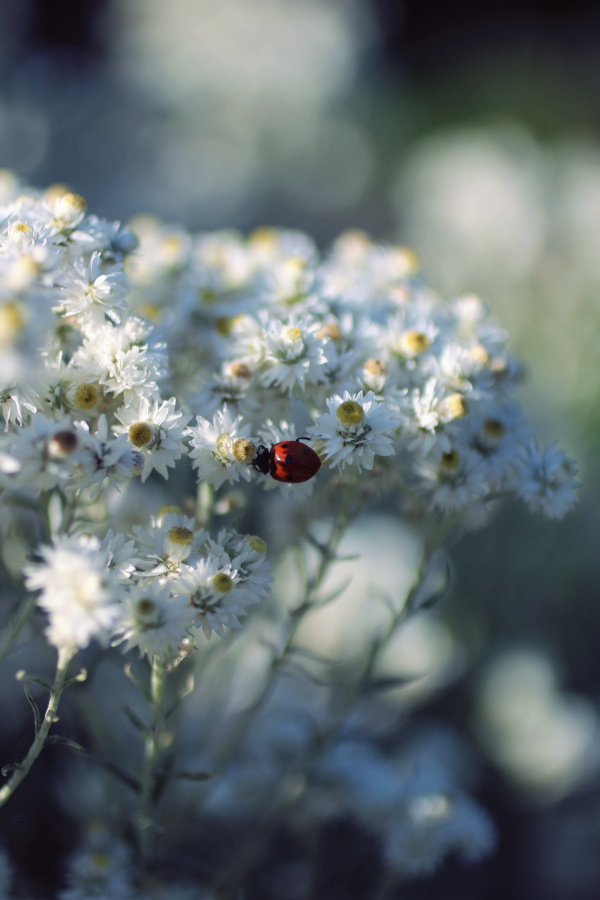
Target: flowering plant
(138, 360)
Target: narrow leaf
(36, 713)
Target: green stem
(152, 745)
(22, 770)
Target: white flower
(168, 543)
(104, 458)
(221, 449)
(118, 358)
(93, 294)
(212, 591)
(153, 619)
(354, 431)
(454, 479)
(79, 591)
(120, 554)
(48, 453)
(294, 353)
(157, 429)
(247, 555)
(545, 479)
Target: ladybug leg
(262, 461)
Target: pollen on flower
(263, 238)
(223, 325)
(141, 434)
(494, 429)
(329, 330)
(414, 342)
(85, 396)
(145, 607)
(243, 450)
(479, 354)
(350, 412)
(291, 335)
(257, 544)
(238, 370)
(180, 535)
(69, 208)
(222, 582)
(19, 230)
(453, 407)
(450, 461)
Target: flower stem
(152, 744)
(22, 769)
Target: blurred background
(468, 131)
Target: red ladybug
(288, 461)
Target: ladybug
(287, 461)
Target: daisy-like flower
(247, 554)
(354, 431)
(121, 554)
(48, 453)
(104, 458)
(545, 479)
(120, 359)
(91, 291)
(454, 480)
(156, 429)
(427, 410)
(212, 591)
(168, 543)
(154, 620)
(294, 353)
(78, 590)
(222, 449)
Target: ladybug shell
(293, 462)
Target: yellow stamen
(350, 412)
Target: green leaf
(113, 768)
(433, 585)
(135, 720)
(36, 713)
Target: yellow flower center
(222, 582)
(450, 461)
(257, 544)
(85, 396)
(291, 335)
(329, 330)
(479, 354)
(145, 608)
(414, 342)
(350, 412)
(494, 429)
(223, 325)
(453, 407)
(141, 434)
(180, 535)
(243, 450)
(239, 370)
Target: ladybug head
(262, 460)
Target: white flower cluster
(109, 347)
(155, 593)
